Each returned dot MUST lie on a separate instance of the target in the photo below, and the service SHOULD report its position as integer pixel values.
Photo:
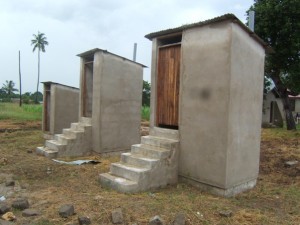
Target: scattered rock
(10, 183)
(291, 163)
(20, 203)
(29, 151)
(156, 220)
(30, 212)
(66, 210)
(117, 216)
(179, 219)
(4, 207)
(83, 220)
(225, 213)
(9, 216)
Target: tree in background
(9, 88)
(277, 22)
(146, 93)
(39, 42)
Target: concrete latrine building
(109, 102)
(206, 104)
(58, 113)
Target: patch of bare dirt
(48, 185)
(10, 126)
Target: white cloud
(75, 26)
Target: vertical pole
(20, 104)
(251, 20)
(134, 51)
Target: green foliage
(277, 23)
(39, 42)
(146, 93)
(146, 113)
(26, 112)
(8, 89)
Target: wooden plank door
(168, 86)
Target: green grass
(12, 111)
(145, 113)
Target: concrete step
(138, 160)
(159, 142)
(150, 151)
(55, 145)
(86, 120)
(77, 126)
(63, 139)
(51, 154)
(127, 171)
(164, 133)
(72, 133)
(118, 183)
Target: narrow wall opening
(47, 108)
(87, 89)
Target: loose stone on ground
(4, 207)
(117, 216)
(225, 213)
(66, 210)
(30, 212)
(84, 220)
(179, 219)
(156, 220)
(20, 203)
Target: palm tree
(39, 43)
(9, 87)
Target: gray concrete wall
(220, 105)
(204, 99)
(117, 99)
(245, 107)
(63, 105)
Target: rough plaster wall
(205, 77)
(245, 107)
(118, 103)
(66, 101)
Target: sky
(76, 26)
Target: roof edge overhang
(91, 53)
(226, 17)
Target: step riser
(86, 120)
(128, 174)
(61, 139)
(72, 133)
(77, 126)
(54, 146)
(43, 152)
(157, 143)
(149, 152)
(137, 161)
(111, 183)
(164, 133)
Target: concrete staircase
(149, 165)
(75, 141)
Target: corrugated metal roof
(222, 18)
(90, 55)
(50, 82)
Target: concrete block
(138, 160)
(54, 145)
(150, 151)
(128, 172)
(118, 183)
